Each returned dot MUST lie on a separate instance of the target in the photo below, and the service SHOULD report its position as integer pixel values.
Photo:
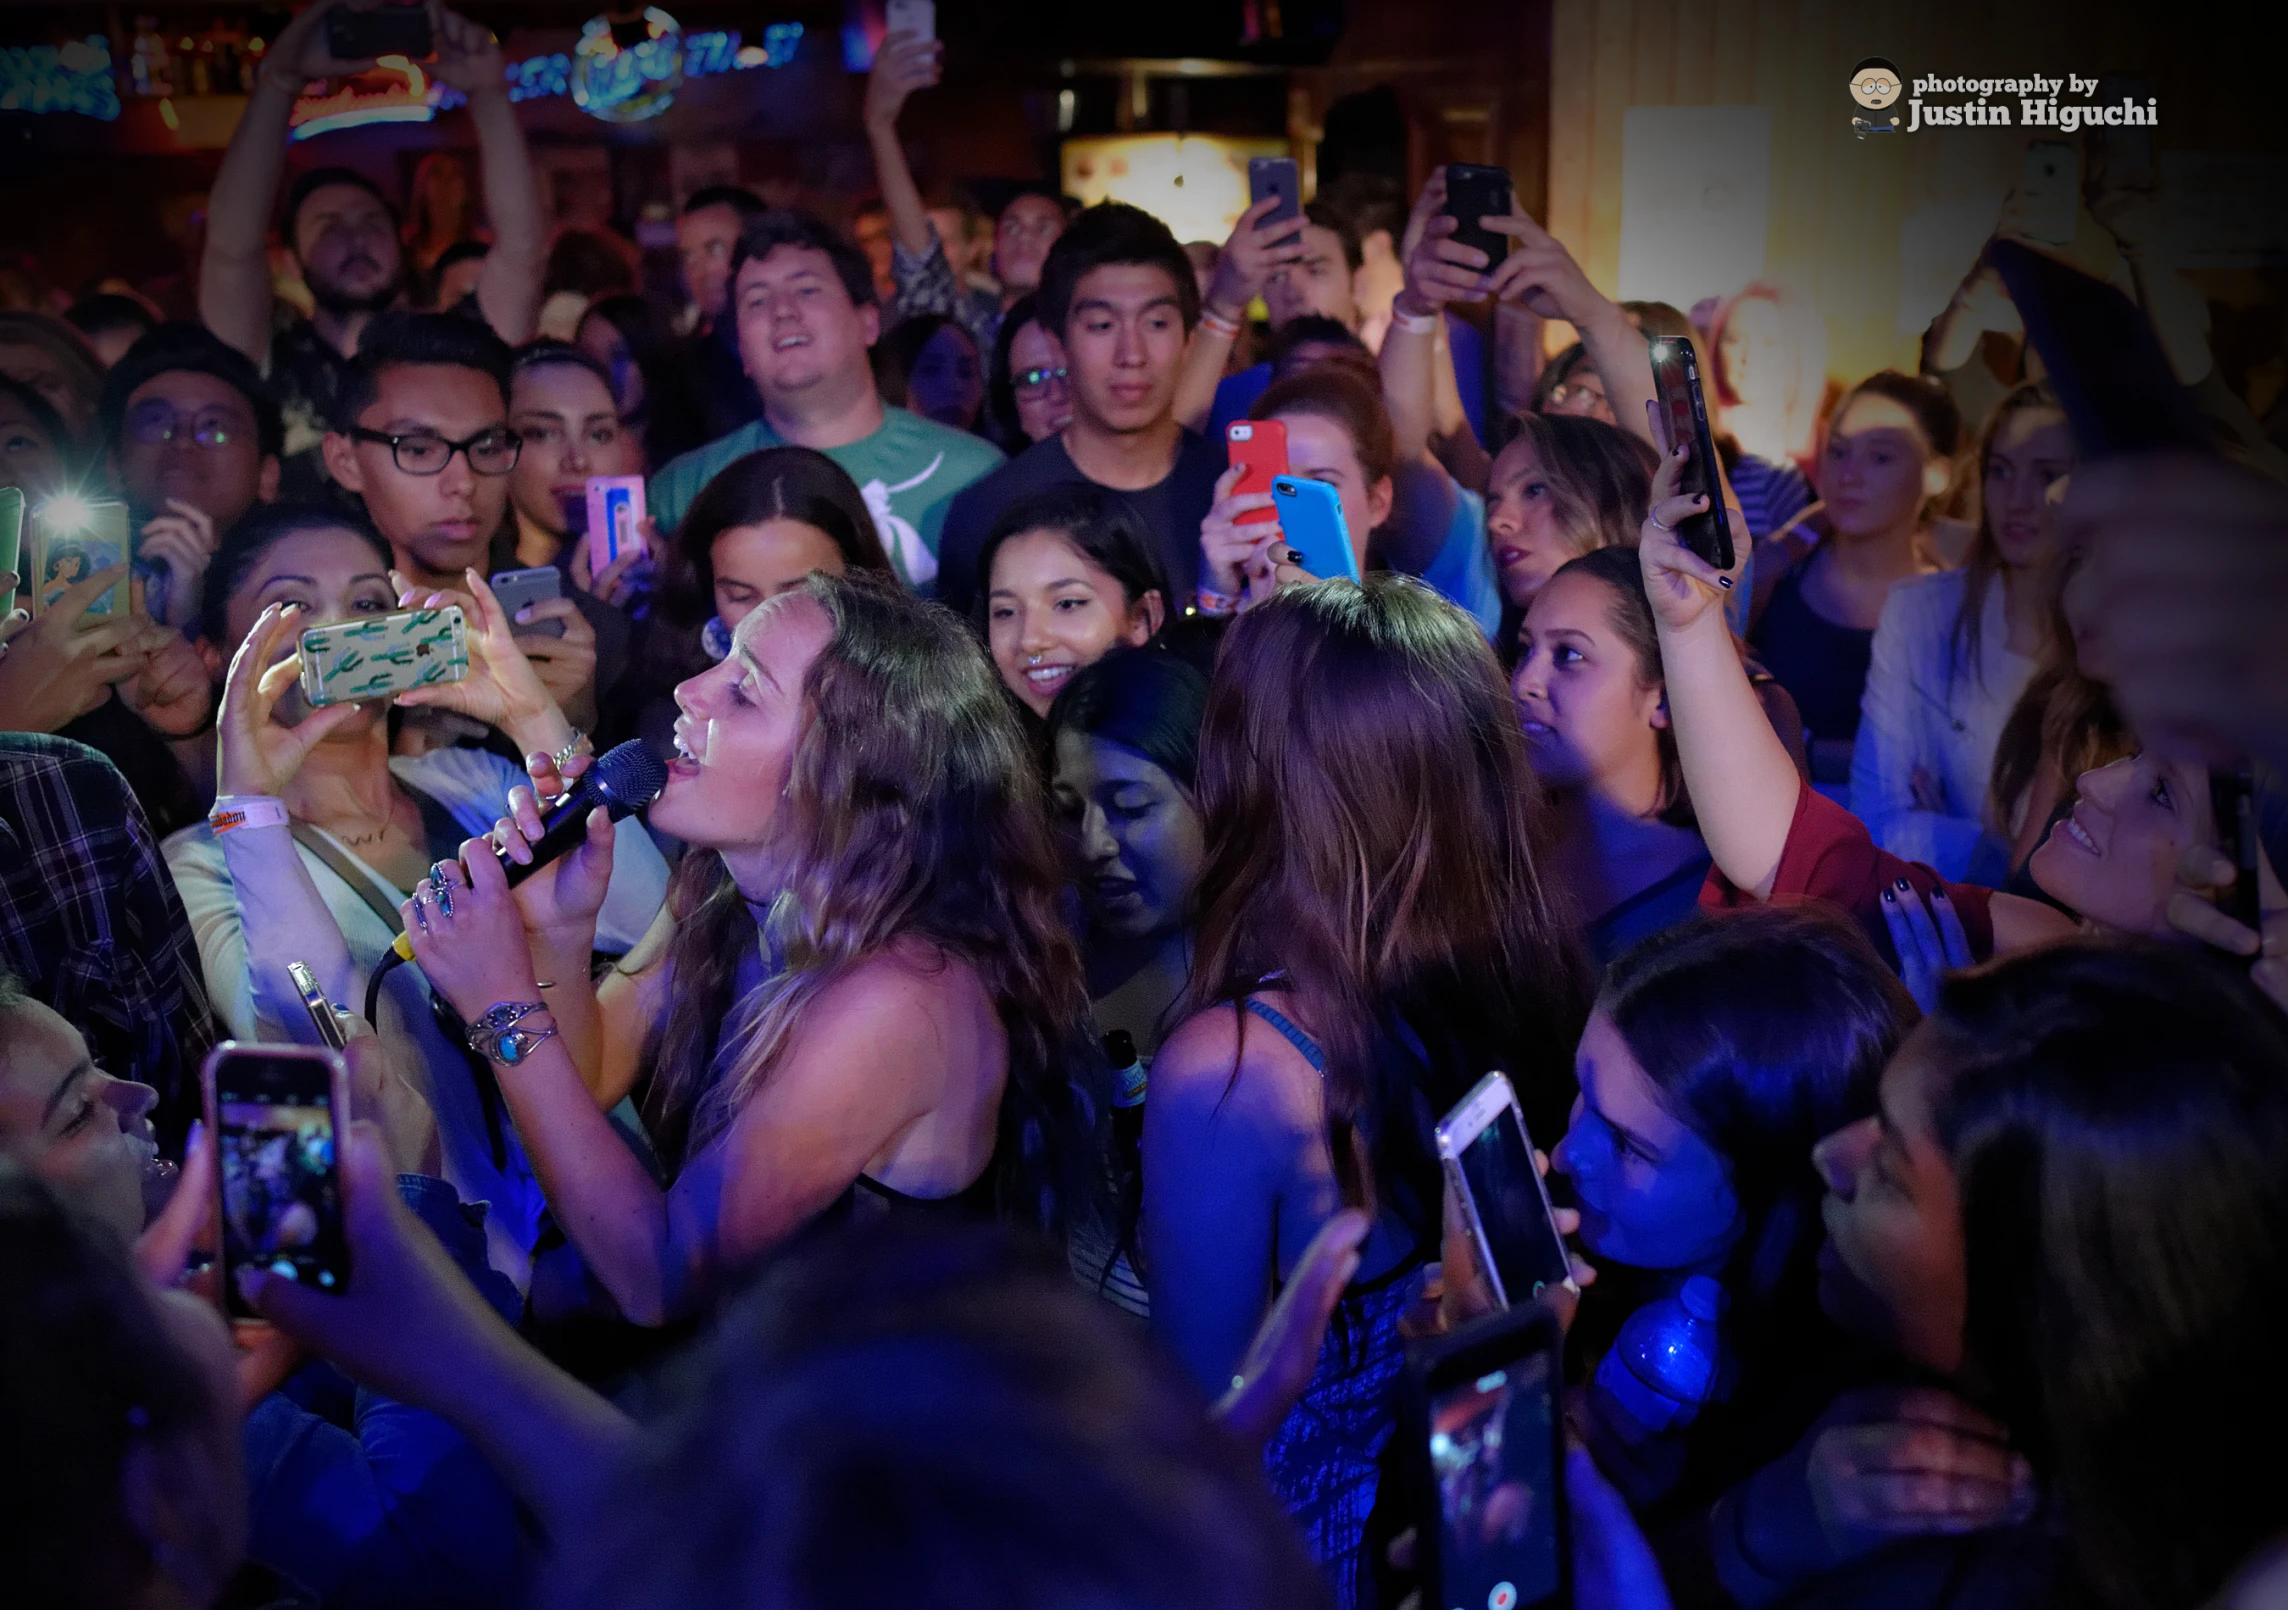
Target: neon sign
(704, 56)
(80, 77)
(395, 91)
(60, 78)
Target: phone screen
(281, 1180)
(1504, 1191)
(1493, 1454)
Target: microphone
(624, 780)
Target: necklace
(388, 821)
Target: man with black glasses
(194, 438)
(421, 433)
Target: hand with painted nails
(1928, 935)
(1681, 585)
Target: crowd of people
(973, 1138)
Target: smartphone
(2119, 393)
(275, 1112)
(1474, 191)
(11, 541)
(1261, 445)
(1480, 1412)
(1311, 517)
(2232, 796)
(1280, 177)
(916, 19)
(615, 510)
(1487, 1156)
(380, 658)
(73, 538)
(321, 1010)
(516, 589)
(394, 28)
(2050, 192)
(1676, 379)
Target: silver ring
(1655, 519)
(438, 873)
(420, 912)
(445, 898)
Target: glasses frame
(217, 434)
(395, 444)
(1035, 379)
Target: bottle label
(1128, 1085)
(1652, 1410)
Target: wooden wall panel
(1839, 205)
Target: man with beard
(345, 234)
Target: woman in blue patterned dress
(1376, 933)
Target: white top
(255, 1000)
(1921, 709)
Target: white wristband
(1414, 323)
(234, 811)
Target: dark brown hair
(1632, 621)
(1373, 835)
(1335, 393)
(771, 483)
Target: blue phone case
(1311, 518)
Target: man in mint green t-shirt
(803, 299)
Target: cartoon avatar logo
(1875, 84)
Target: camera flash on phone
(67, 513)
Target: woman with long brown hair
(860, 997)
(1954, 649)
(1376, 934)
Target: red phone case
(1261, 445)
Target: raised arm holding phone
(341, 229)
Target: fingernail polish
(1890, 899)
(1903, 886)
(1724, 582)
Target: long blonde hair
(912, 810)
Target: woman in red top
(2114, 861)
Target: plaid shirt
(927, 285)
(89, 919)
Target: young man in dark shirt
(1119, 296)
(421, 435)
